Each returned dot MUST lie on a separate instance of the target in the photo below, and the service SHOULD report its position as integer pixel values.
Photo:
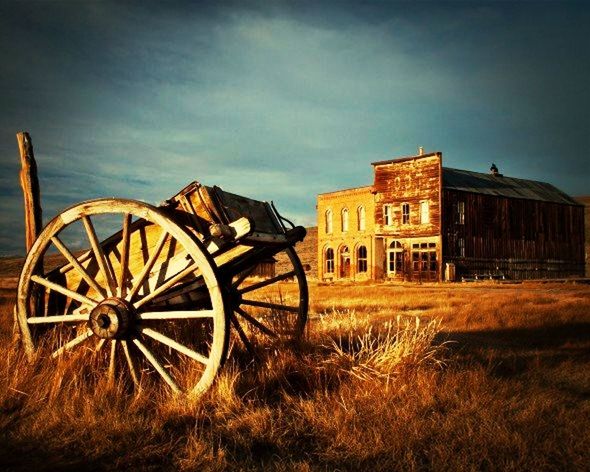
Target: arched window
(344, 262)
(361, 258)
(344, 220)
(329, 261)
(361, 218)
(328, 221)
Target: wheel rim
(269, 307)
(149, 290)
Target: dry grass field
(395, 377)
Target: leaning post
(29, 182)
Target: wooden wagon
(151, 292)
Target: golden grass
(406, 377)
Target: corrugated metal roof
(489, 184)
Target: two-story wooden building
(420, 218)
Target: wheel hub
(111, 318)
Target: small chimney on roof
(420, 151)
(494, 171)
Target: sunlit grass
(389, 378)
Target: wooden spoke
(76, 264)
(174, 345)
(101, 259)
(175, 315)
(273, 306)
(130, 363)
(148, 265)
(242, 335)
(159, 368)
(73, 343)
(57, 319)
(99, 345)
(243, 277)
(255, 322)
(64, 291)
(267, 282)
(112, 361)
(166, 285)
(124, 263)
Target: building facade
(421, 221)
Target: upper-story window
(361, 218)
(459, 213)
(328, 221)
(388, 214)
(424, 212)
(344, 220)
(405, 213)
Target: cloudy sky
(283, 100)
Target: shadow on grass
(512, 352)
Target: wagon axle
(111, 318)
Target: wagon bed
(163, 291)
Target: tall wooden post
(30, 185)
(29, 182)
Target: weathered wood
(30, 185)
(516, 238)
(181, 257)
(171, 264)
(174, 344)
(157, 365)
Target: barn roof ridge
(501, 185)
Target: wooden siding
(408, 181)
(517, 238)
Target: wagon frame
(161, 295)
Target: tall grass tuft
(368, 351)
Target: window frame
(329, 261)
(344, 220)
(329, 221)
(405, 216)
(387, 214)
(459, 212)
(362, 264)
(361, 216)
(424, 215)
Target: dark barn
(502, 226)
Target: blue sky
(284, 100)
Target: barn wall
(517, 238)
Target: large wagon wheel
(112, 295)
(270, 307)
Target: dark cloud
(283, 100)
